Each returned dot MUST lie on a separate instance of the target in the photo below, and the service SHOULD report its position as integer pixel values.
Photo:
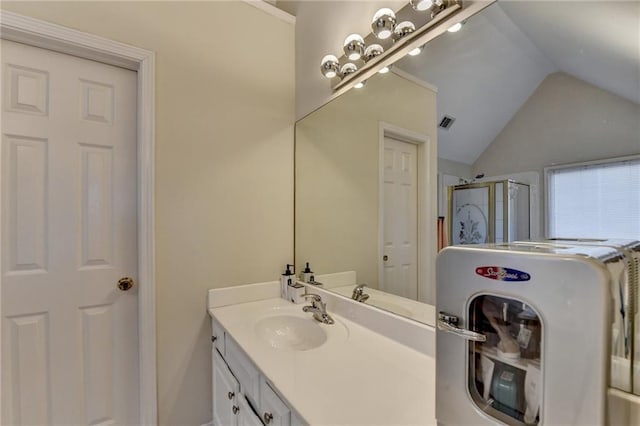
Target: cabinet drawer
(273, 411)
(244, 370)
(217, 336)
(225, 392)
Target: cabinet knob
(230, 395)
(236, 409)
(267, 418)
(214, 338)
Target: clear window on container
(505, 379)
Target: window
(594, 200)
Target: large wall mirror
(528, 84)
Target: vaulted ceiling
(485, 72)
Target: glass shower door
(470, 215)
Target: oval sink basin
(290, 332)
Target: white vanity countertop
(367, 379)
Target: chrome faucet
(359, 295)
(318, 308)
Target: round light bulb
(359, 85)
(455, 28)
(384, 34)
(372, 51)
(329, 66)
(354, 47)
(384, 70)
(403, 29)
(347, 69)
(381, 13)
(416, 51)
(421, 5)
(383, 23)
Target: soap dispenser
(286, 280)
(307, 275)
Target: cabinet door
(225, 393)
(246, 416)
(273, 411)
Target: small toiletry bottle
(286, 280)
(529, 333)
(307, 275)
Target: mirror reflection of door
(400, 218)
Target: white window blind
(595, 200)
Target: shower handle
(449, 323)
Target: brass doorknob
(125, 283)
(385, 257)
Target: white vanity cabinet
(241, 394)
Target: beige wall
(565, 120)
(454, 168)
(337, 156)
(224, 155)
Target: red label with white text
(501, 273)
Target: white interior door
(400, 218)
(69, 214)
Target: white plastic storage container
(523, 334)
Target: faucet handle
(315, 297)
(359, 289)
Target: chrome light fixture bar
(421, 21)
(385, 26)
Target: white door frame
(427, 208)
(34, 32)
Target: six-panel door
(69, 234)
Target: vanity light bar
(386, 28)
(435, 15)
(429, 23)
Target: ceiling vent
(446, 122)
